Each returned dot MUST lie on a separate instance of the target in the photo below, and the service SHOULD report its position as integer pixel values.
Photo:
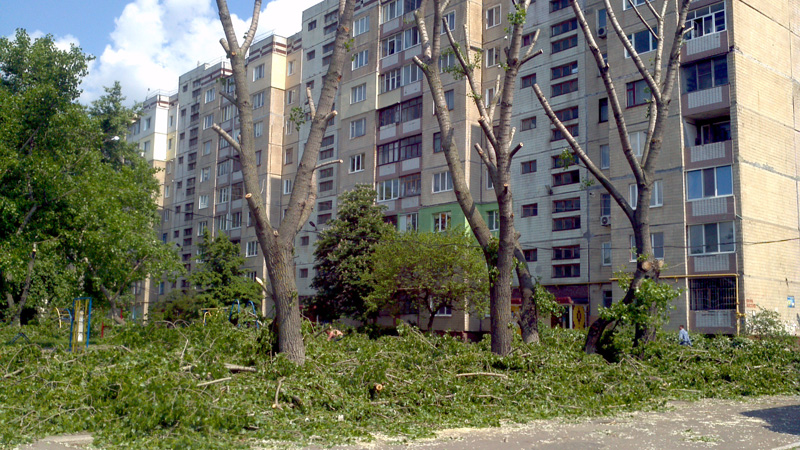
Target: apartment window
(566, 270)
(705, 74)
(202, 202)
(291, 96)
(205, 174)
(531, 254)
(556, 5)
(564, 27)
(258, 72)
(450, 99)
(409, 222)
(567, 114)
(558, 134)
(566, 223)
(643, 41)
(410, 38)
(638, 93)
(392, 9)
(224, 168)
(712, 293)
(528, 124)
(411, 74)
(605, 251)
(710, 182)
(605, 204)
(493, 220)
(707, 20)
(207, 148)
(358, 128)
(258, 158)
(656, 243)
(442, 182)
(628, 4)
(564, 70)
(528, 81)
(360, 26)
(325, 206)
(406, 148)
(489, 181)
(528, 166)
(208, 121)
(258, 129)
(304, 241)
(258, 100)
(360, 59)
(568, 252)
(487, 99)
(530, 210)
(450, 19)
(287, 187)
(564, 44)
(565, 205)
(289, 68)
(357, 163)
(210, 95)
(656, 197)
(224, 194)
(236, 220)
(437, 142)
(709, 133)
(441, 221)
(388, 190)
(605, 157)
(288, 156)
(527, 39)
(303, 273)
(358, 93)
(326, 172)
(312, 25)
(637, 140)
(391, 45)
(325, 154)
(493, 17)
(391, 80)
(251, 249)
(564, 88)
(410, 185)
(166, 191)
(446, 61)
(326, 186)
(602, 107)
(411, 109)
(310, 55)
(564, 178)
(492, 55)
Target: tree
(501, 253)
(343, 255)
(277, 244)
(660, 79)
(220, 277)
(430, 270)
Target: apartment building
(731, 143)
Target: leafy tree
(220, 277)
(277, 243)
(342, 254)
(430, 270)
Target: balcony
(714, 154)
(720, 263)
(707, 103)
(705, 46)
(712, 209)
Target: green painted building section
(430, 217)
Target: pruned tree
(495, 121)
(660, 77)
(277, 244)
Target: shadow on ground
(783, 419)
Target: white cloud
(155, 41)
(63, 43)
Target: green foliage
(343, 255)
(220, 278)
(766, 324)
(139, 390)
(429, 270)
(298, 117)
(518, 16)
(456, 70)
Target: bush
(766, 324)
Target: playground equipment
(251, 312)
(80, 323)
(64, 315)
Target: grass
(142, 387)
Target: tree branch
(311, 106)
(251, 32)
(228, 138)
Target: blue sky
(144, 44)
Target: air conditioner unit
(601, 32)
(605, 221)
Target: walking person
(683, 336)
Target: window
(444, 311)
(568, 252)
(358, 128)
(710, 133)
(703, 21)
(528, 124)
(208, 121)
(391, 10)
(569, 204)
(493, 220)
(303, 273)
(202, 202)
(289, 68)
(627, 4)
(437, 142)
(258, 100)
(446, 61)
(642, 42)
(224, 168)
(450, 19)
(360, 59)
(210, 95)
(564, 44)
(291, 96)
(391, 80)
(304, 240)
(327, 140)
(251, 249)
(326, 172)
(656, 197)
(410, 38)
(492, 56)
(556, 5)
(360, 26)
(638, 140)
(566, 223)
(224, 194)
(326, 186)
(564, 70)
(602, 107)
(605, 157)
(258, 72)
(493, 17)
(325, 206)
(207, 148)
(357, 163)
(707, 183)
(558, 134)
(605, 204)
(442, 182)
(566, 271)
(258, 129)
(638, 93)
(530, 210)
(287, 187)
(391, 45)
(656, 243)
(400, 150)
(358, 93)
(564, 27)
(564, 178)
(489, 181)
(146, 125)
(441, 221)
(712, 293)
(288, 156)
(705, 74)
(567, 114)
(527, 39)
(166, 191)
(531, 254)
(388, 190)
(310, 55)
(450, 99)
(410, 185)
(605, 251)
(564, 88)
(528, 81)
(411, 74)
(528, 166)
(312, 25)
(325, 154)
(408, 222)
